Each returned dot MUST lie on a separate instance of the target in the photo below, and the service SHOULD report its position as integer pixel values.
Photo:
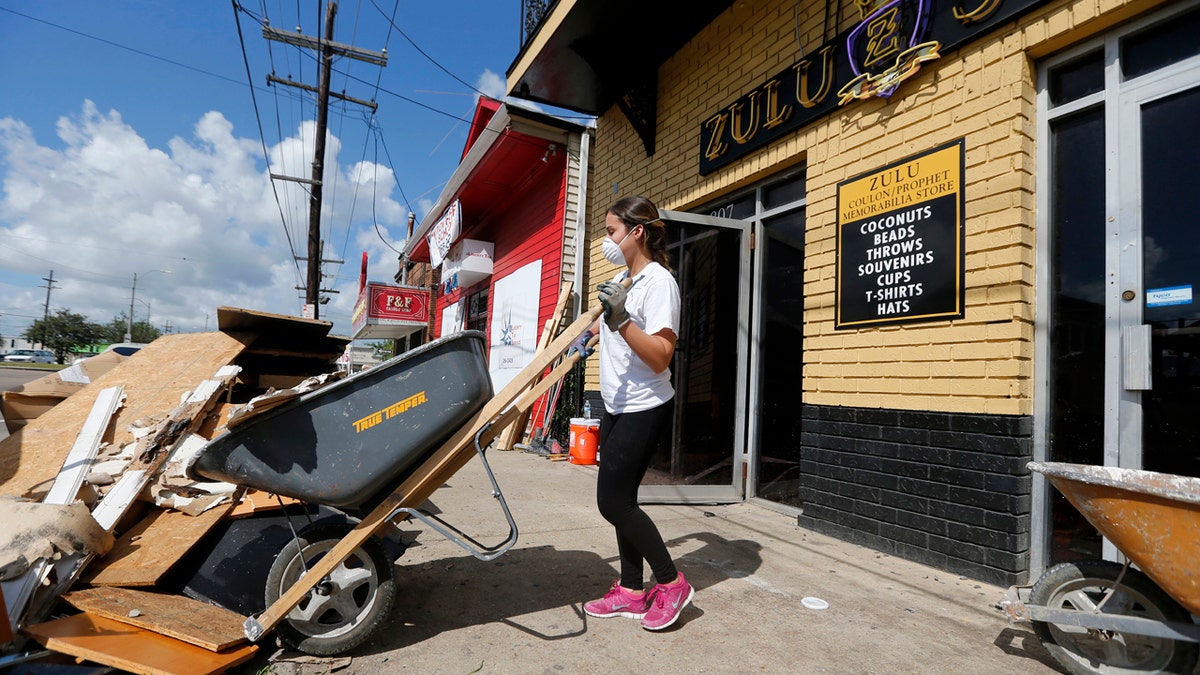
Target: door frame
(1124, 365)
(734, 492)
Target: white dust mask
(612, 251)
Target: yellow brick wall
(983, 92)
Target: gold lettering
(883, 36)
(983, 11)
(716, 143)
(368, 421)
(744, 133)
(801, 68)
(390, 411)
(776, 115)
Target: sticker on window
(1173, 295)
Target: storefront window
(1076, 424)
(1077, 79)
(477, 310)
(1161, 45)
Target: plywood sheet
(149, 549)
(255, 501)
(134, 649)
(198, 623)
(155, 380)
(233, 319)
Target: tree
(143, 331)
(383, 349)
(63, 331)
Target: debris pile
(97, 508)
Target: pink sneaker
(619, 601)
(669, 601)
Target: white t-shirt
(626, 382)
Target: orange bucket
(585, 440)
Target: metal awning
(585, 53)
(495, 168)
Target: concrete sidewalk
(522, 613)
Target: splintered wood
(154, 382)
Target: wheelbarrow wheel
(344, 608)
(1081, 586)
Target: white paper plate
(814, 603)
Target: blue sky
(129, 144)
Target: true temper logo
(389, 412)
(887, 47)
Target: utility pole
(46, 309)
(328, 49)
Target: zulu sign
(890, 43)
(900, 242)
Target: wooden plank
(144, 554)
(198, 623)
(83, 451)
(154, 380)
(450, 457)
(152, 452)
(256, 501)
(63, 491)
(134, 649)
(235, 320)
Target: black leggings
(626, 443)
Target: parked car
(30, 356)
(122, 348)
(125, 348)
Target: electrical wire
(262, 137)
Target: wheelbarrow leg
(457, 536)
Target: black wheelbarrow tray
(382, 440)
(342, 444)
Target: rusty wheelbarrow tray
(1099, 616)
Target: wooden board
(134, 649)
(144, 554)
(198, 623)
(235, 320)
(255, 501)
(155, 379)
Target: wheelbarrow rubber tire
(346, 607)
(1081, 586)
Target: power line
(120, 46)
(262, 137)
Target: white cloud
(492, 84)
(106, 205)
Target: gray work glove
(612, 298)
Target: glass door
(1119, 287)
(1160, 278)
(701, 462)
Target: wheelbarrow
(1098, 616)
(382, 441)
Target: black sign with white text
(900, 242)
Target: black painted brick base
(948, 490)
